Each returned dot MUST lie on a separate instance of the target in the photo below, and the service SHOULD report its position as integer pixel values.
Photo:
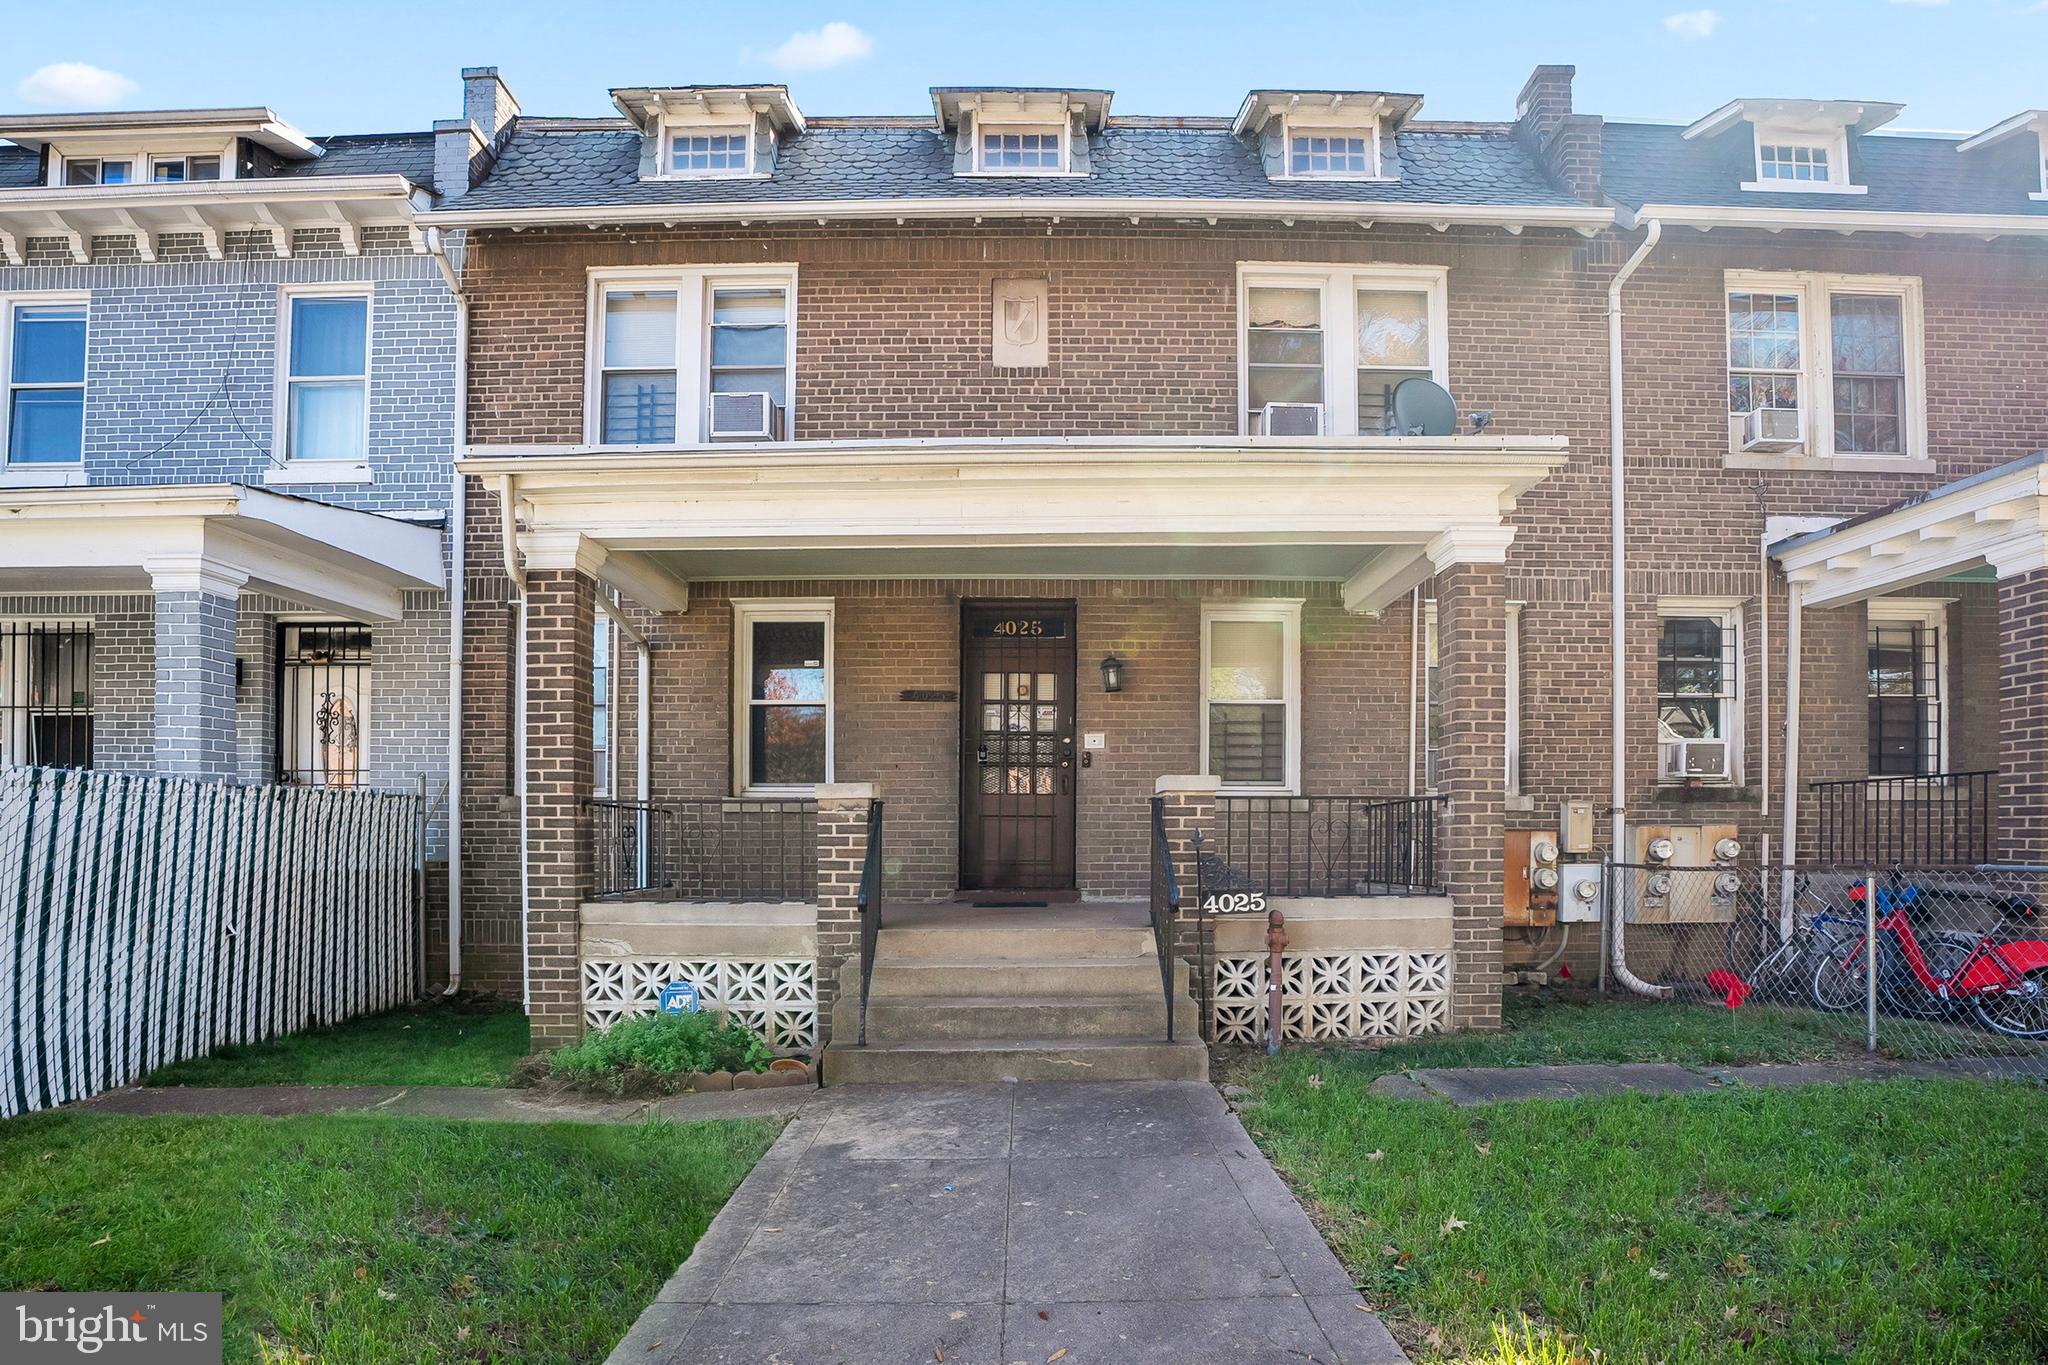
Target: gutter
(1617, 594)
(458, 601)
(1706, 217)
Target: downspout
(1617, 593)
(458, 601)
(515, 568)
(1788, 808)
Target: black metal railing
(1324, 845)
(704, 849)
(870, 910)
(1165, 905)
(1936, 820)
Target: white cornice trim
(1708, 216)
(1585, 218)
(281, 187)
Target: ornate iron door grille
(1017, 760)
(323, 695)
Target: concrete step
(896, 1019)
(995, 941)
(1091, 1059)
(1026, 978)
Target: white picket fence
(144, 920)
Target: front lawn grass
(371, 1239)
(426, 1044)
(1878, 1222)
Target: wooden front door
(1017, 758)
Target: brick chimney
(1565, 144)
(465, 147)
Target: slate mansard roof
(550, 163)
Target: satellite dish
(1422, 407)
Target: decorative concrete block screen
(144, 920)
(1335, 995)
(775, 997)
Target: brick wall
(2023, 725)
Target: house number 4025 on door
(1236, 903)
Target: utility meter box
(1684, 874)
(1579, 893)
(1529, 870)
(1575, 826)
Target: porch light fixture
(1112, 673)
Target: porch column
(1190, 810)
(561, 608)
(196, 604)
(1471, 615)
(2022, 801)
(842, 854)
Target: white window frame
(1816, 292)
(605, 654)
(1430, 703)
(141, 162)
(1834, 143)
(1062, 126)
(40, 471)
(285, 466)
(1286, 611)
(1735, 700)
(1339, 286)
(746, 612)
(1929, 613)
(665, 150)
(692, 286)
(1370, 132)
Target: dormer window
(2007, 147)
(1792, 161)
(171, 170)
(1022, 150)
(1325, 134)
(1794, 146)
(1339, 156)
(96, 171)
(1013, 131)
(709, 151)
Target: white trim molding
(747, 612)
(1338, 288)
(1284, 612)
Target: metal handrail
(1165, 905)
(1325, 846)
(1927, 819)
(870, 910)
(717, 848)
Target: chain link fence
(144, 920)
(1941, 965)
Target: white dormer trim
(1825, 125)
(2033, 122)
(1318, 122)
(1273, 119)
(1834, 142)
(669, 129)
(980, 125)
(142, 157)
(761, 114)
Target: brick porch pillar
(561, 607)
(2022, 801)
(1190, 810)
(1471, 607)
(196, 614)
(842, 854)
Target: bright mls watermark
(168, 1329)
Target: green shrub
(660, 1048)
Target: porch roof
(1376, 514)
(1996, 519)
(225, 537)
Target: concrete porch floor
(1056, 915)
(1129, 1222)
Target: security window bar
(1869, 355)
(708, 153)
(1020, 151)
(327, 376)
(1321, 154)
(1764, 355)
(1393, 346)
(638, 377)
(1904, 699)
(1283, 348)
(749, 350)
(1696, 680)
(1250, 682)
(46, 385)
(323, 698)
(46, 700)
(1792, 161)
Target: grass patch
(658, 1051)
(364, 1239)
(429, 1044)
(1875, 1222)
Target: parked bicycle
(2004, 981)
(1772, 964)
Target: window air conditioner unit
(1682, 760)
(745, 416)
(1771, 429)
(1291, 419)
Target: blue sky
(380, 65)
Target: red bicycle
(2004, 981)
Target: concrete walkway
(1126, 1222)
(1467, 1086)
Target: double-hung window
(1907, 661)
(782, 722)
(1251, 694)
(1699, 693)
(1340, 339)
(324, 412)
(679, 357)
(1844, 352)
(44, 362)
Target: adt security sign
(680, 997)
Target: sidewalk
(442, 1102)
(1127, 1222)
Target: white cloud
(1693, 23)
(817, 48)
(75, 85)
